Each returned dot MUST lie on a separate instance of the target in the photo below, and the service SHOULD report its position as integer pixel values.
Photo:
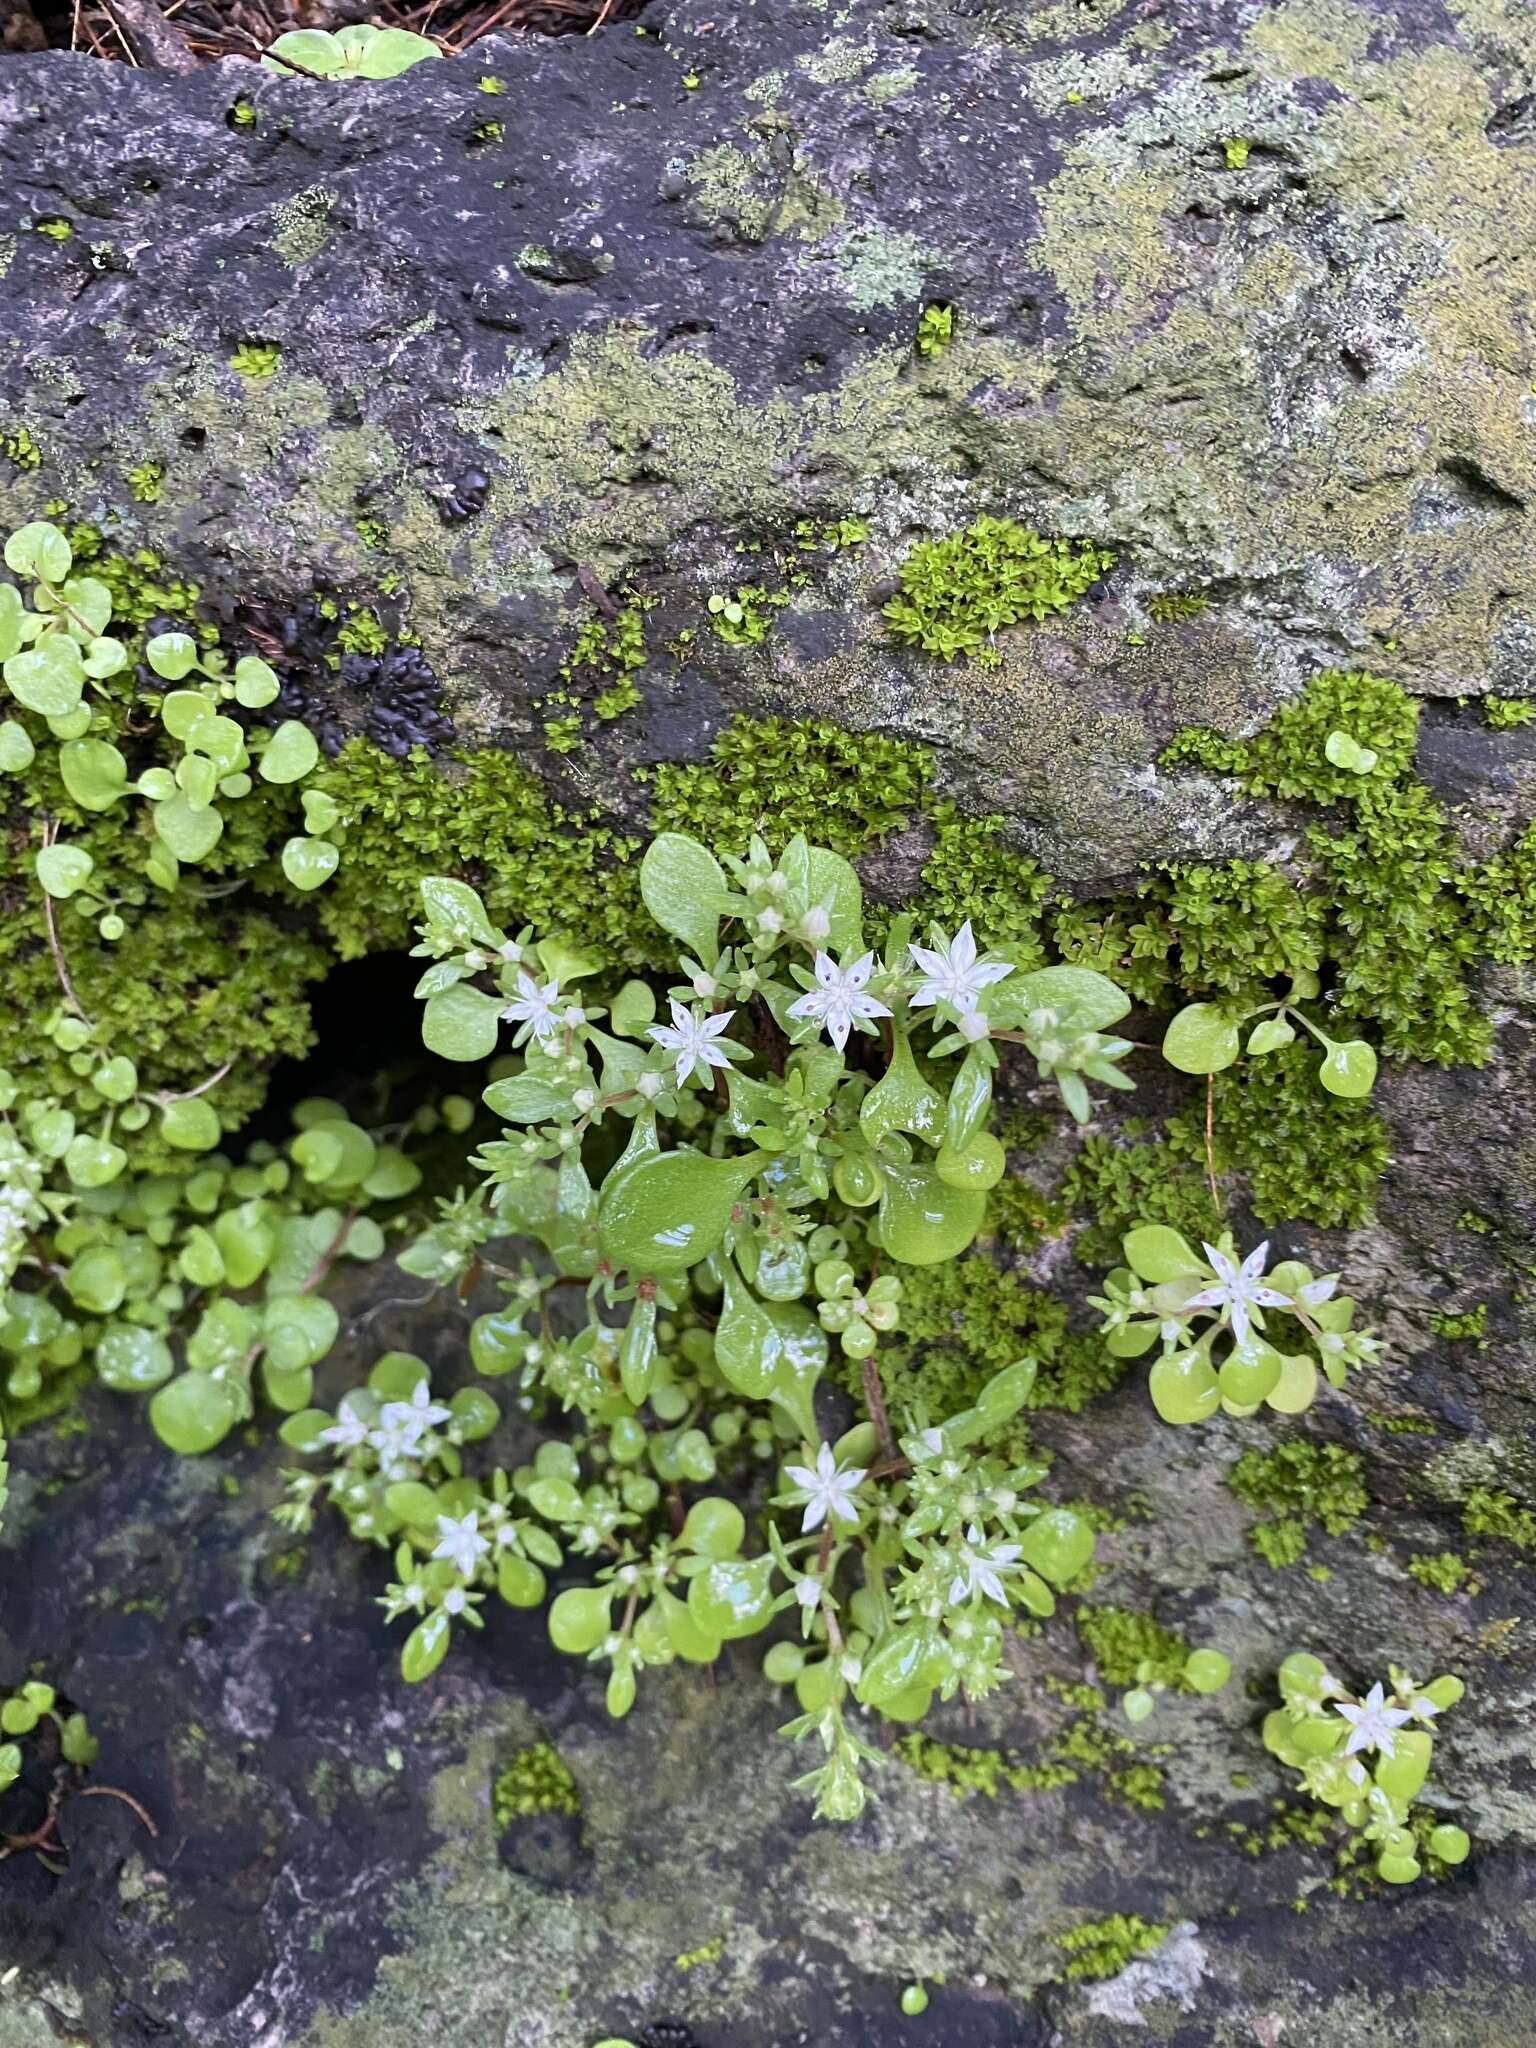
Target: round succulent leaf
(64, 869)
(290, 754)
(131, 1360)
(578, 1619)
(16, 749)
(187, 831)
(172, 656)
(1202, 1039)
(194, 1412)
(47, 678)
(40, 550)
(191, 1125)
(1184, 1388)
(1348, 1068)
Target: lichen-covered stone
(1242, 297)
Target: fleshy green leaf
(64, 869)
(462, 1023)
(1348, 1068)
(921, 1219)
(683, 885)
(667, 1212)
(290, 753)
(1202, 1039)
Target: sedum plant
(200, 1287)
(62, 665)
(1207, 1038)
(1209, 1315)
(681, 1216)
(1368, 1757)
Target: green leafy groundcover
(728, 1138)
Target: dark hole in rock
(549, 1849)
(367, 1054)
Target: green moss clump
(1501, 896)
(973, 873)
(1084, 1746)
(535, 1780)
(140, 589)
(1504, 712)
(486, 818)
(1405, 915)
(958, 592)
(1102, 1948)
(781, 776)
(1234, 927)
(1304, 1153)
(1470, 1322)
(1289, 757)
(959, 1766)
(1490, 1511)
(1443, 1571)
(1131, 1648)
(1168, 606)
(1296, 1483)
(1288, 1827)
(1121, 1185)
(965, 1320)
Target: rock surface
(667, 309)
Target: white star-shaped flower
(1239, 1289)
(826, 1490)
(1316, 1292)
(1371, 1721)
(977, 1567)
(534, 1008)
(347, 1431)
(690, 1039)
(838, 997)
(460, 1543)
(411, 1419)
(952, 972)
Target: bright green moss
(973, 873)
(140, 589)
(1131, 1648)
(362, 634)
(965, 1320)
(1102, 1948)
(1503, 712)
(1288, 1827)
(959, 592)
(782, 776)
(959, 1766)
(1296, 1483)
(935, 328)
(1489, 1511)
(1168, 606)
(1121, 1184)
(1304, 1153)
(1233, 928)
(484, 817)
(199, 979)
(1021, 1216)
(145, 480)
(20, 448)
(1501, 896)
(1404, 916)
(1470, 1322)
(1443, 1571)
(1082, 1748)
(1289, 757)
(535, 1780)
